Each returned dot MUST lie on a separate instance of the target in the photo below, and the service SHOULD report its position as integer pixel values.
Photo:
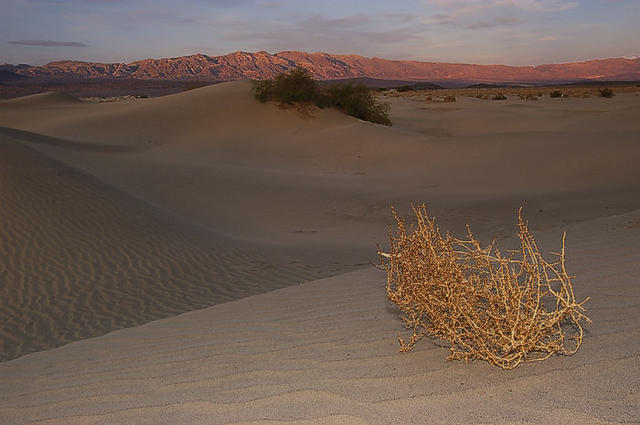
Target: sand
(122, 213)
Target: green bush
(358, 101)
(607, 92)
(298, 86)
(263, 90)
(555, 93)
(404, 88)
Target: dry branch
(503, 309)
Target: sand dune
(117, 214)
(225, 157)
(326, 352)
(43, 100)
(79, 259)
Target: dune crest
(41, 100)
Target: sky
(512, 32)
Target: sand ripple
(325, 352)
(79, 259)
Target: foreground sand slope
(209, 195)
(79, 258)
(326, 352)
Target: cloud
(501, 21)
(49, 43)
(365, 34)
(270, 3)
(465, 7)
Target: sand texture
(117, 217)
(326, 352)
(80, 259)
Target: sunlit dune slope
(256, 171)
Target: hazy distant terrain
(241, 65)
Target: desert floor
(204, 258)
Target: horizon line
(633, 57)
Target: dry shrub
(584, 94)
(442, 99)
(607, 92)
(502, 309)
(305, 110)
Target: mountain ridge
(325, 66)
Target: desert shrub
(358, 101)
(555, 93)
(298, 87)
(582, 94)
(499, 96)
(263, 90)
(505, 310)
(607, 92)
(404, 88)
(444, 99)
(295, 86)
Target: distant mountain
(6, 75)
(325, 66)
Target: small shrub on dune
(499, 96)
(263, 90)
(295, 86)
(505, 310)
(555, 94)
(607, 92)
(358, 101)
(298, 87)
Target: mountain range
(260, 65)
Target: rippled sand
(118, 214)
